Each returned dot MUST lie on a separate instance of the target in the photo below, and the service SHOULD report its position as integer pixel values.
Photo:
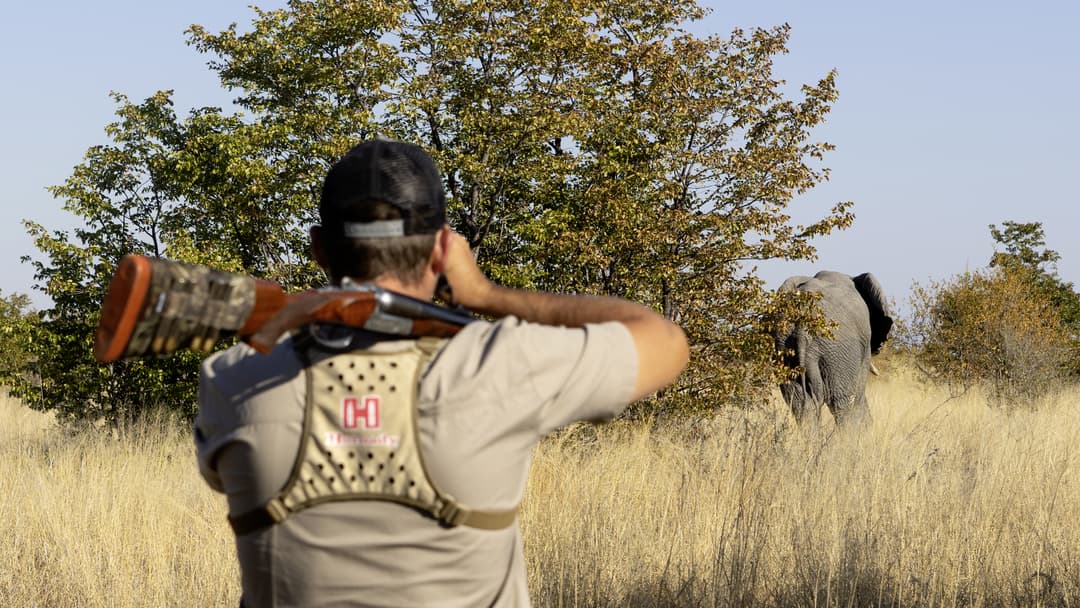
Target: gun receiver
(157, 307)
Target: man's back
(485, 400)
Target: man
(484, 399)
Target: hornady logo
(333, 439)
(362, 412)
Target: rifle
(156, 307)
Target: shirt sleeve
(581, 374)
(248, 426)
(209, 439)
(547, 377)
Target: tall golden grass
(943, 501)
(102, 519)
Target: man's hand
(470, 287)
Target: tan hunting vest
(360, 442)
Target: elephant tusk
(873, 370)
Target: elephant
(834, 368)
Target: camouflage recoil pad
(189, 306)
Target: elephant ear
(874, 296)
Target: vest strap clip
(271, 513)
(450, 513)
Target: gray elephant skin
(835, 368)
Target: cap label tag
(381, 229)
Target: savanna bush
(19, 325)
(989, 327)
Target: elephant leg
(809, 417)
(804, 406)
(808, 413)
(853, 411)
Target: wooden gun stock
(156, 307)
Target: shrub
(18, 327)
(990, 327)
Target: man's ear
(440, 250)
(318, 248)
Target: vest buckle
(277, 510)
(450, 514)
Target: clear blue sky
(951, 116)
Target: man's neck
(414, 290)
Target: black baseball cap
(399, 174)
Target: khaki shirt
(488, 397)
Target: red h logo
(355, 412)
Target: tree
(588, 146)
(1025, 247)
(163, 187)
(1026, 255)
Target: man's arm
(661, 345)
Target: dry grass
(108, 519)
(943, 502)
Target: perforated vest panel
(360, 442)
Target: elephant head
(834, 368)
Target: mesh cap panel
(400, 174)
